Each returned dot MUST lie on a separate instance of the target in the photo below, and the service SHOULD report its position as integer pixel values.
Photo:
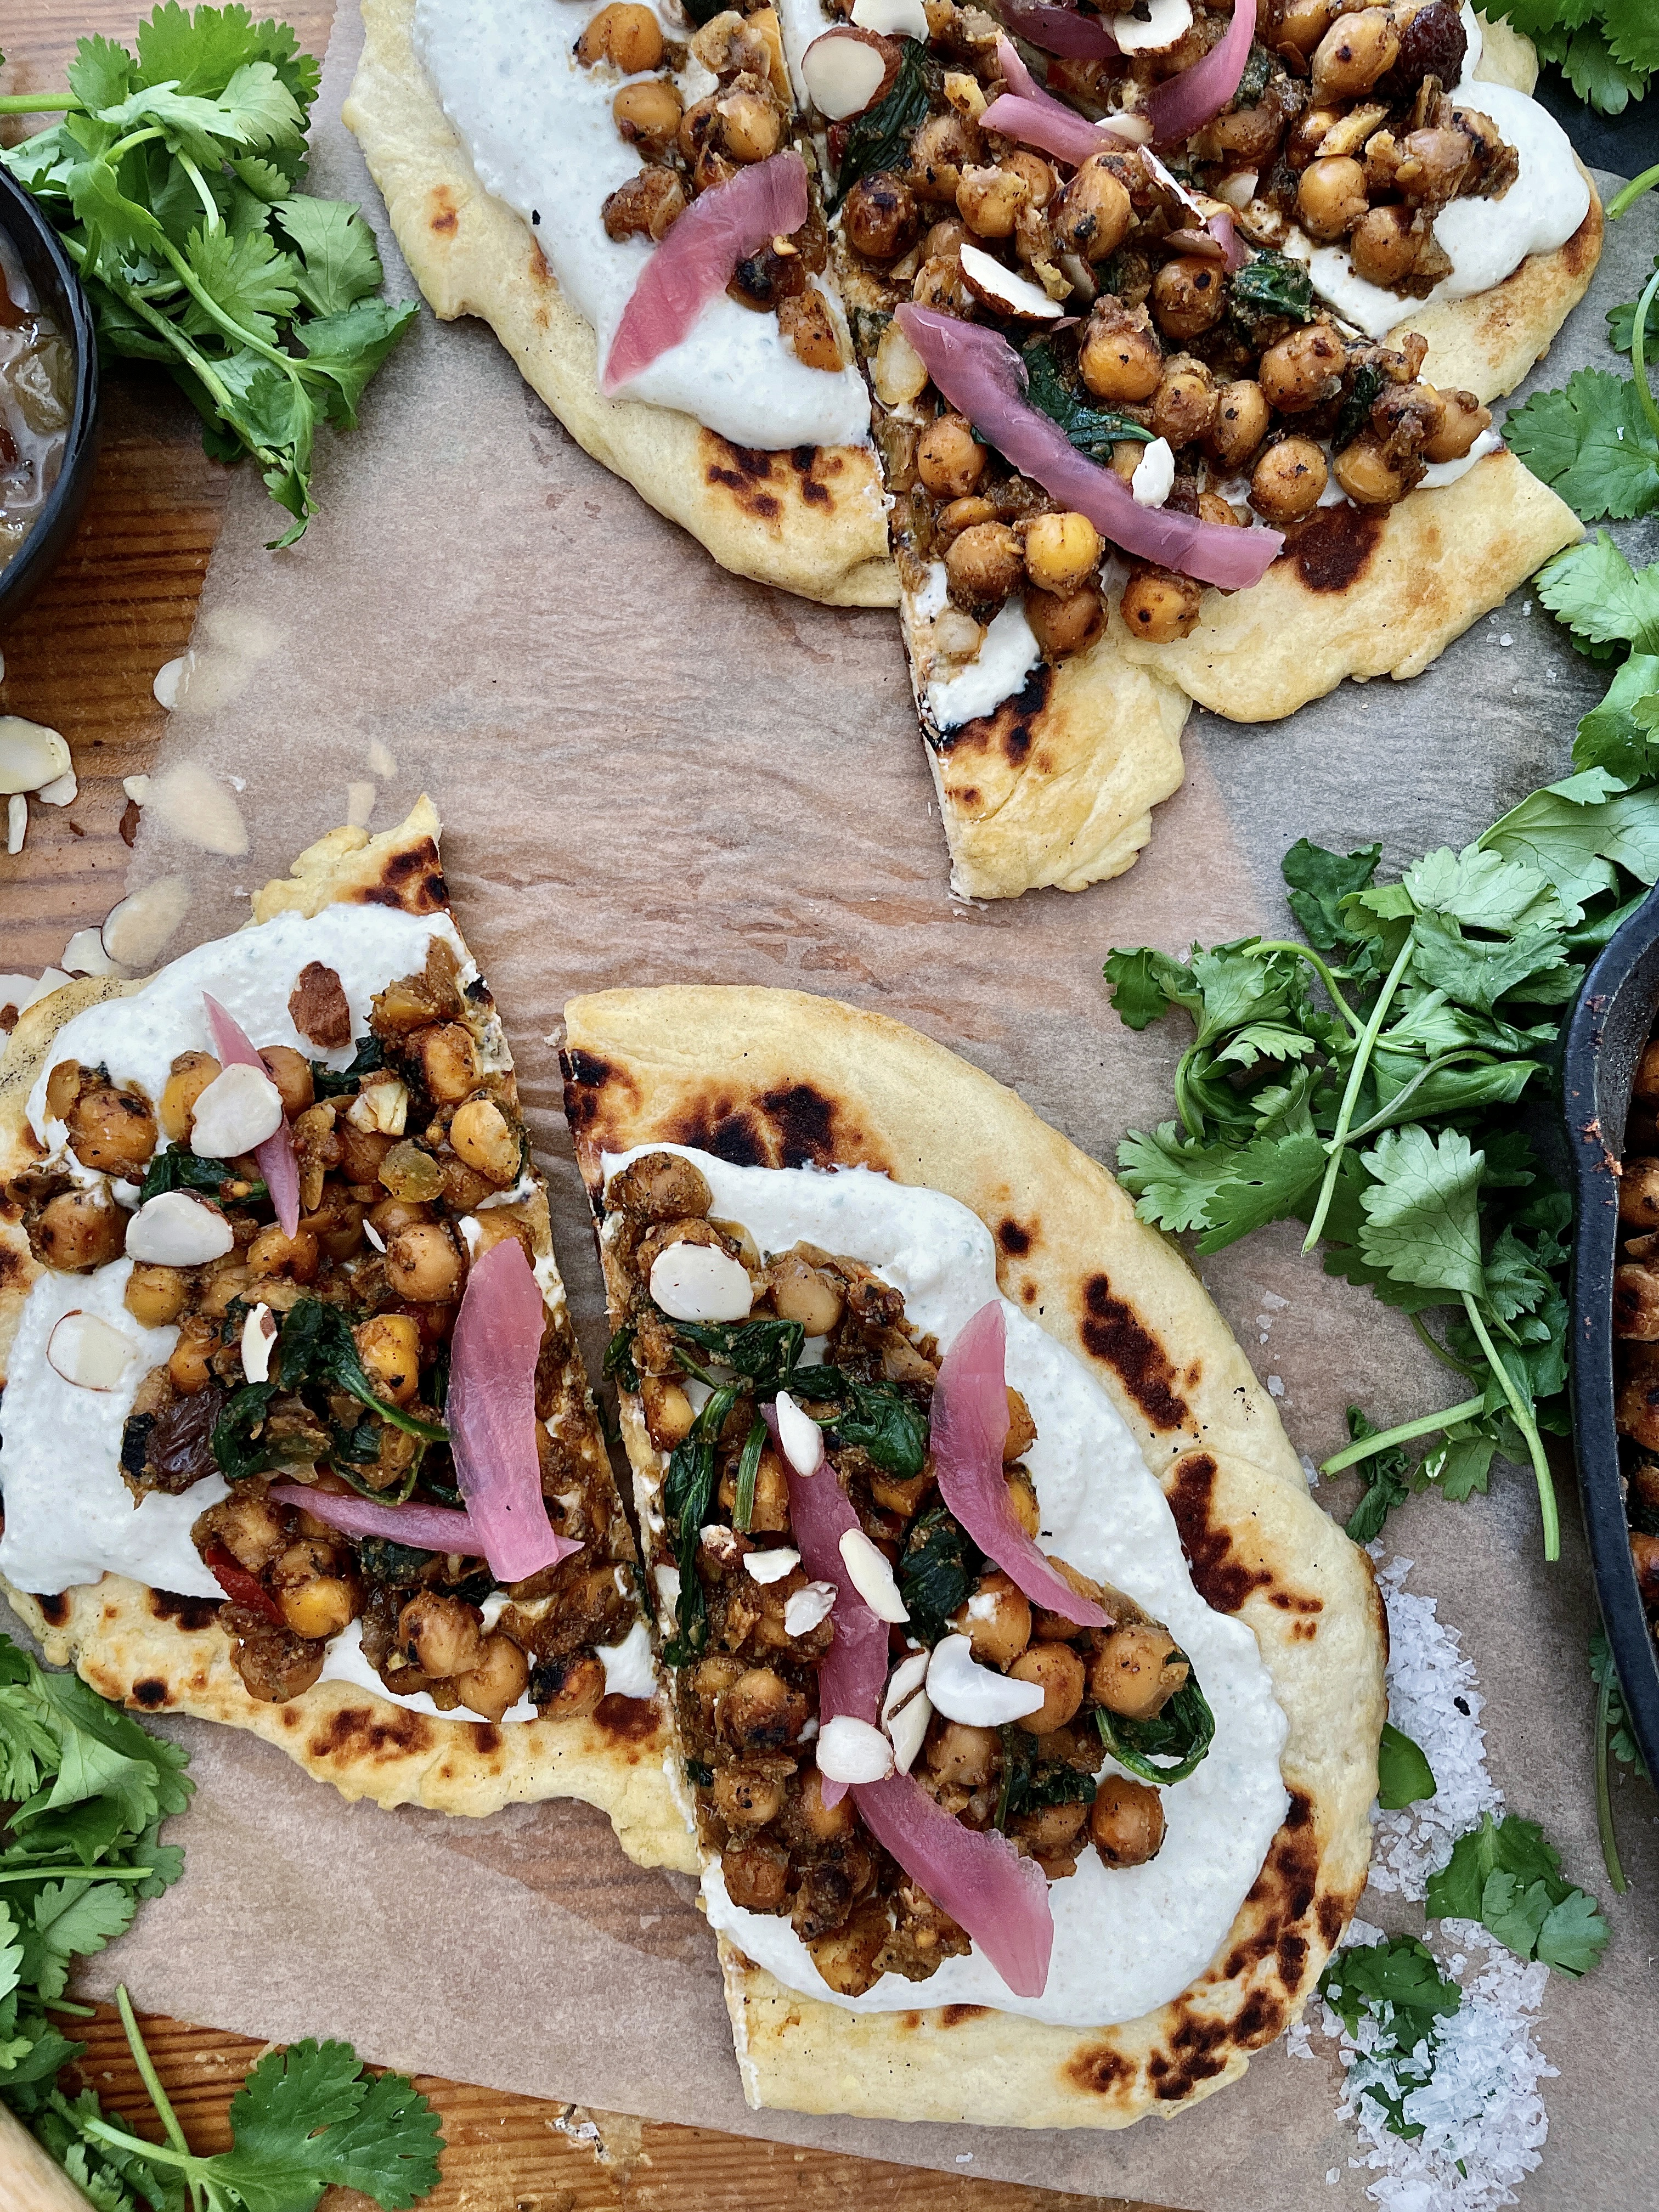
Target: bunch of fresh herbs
(1398, 1984)
(88, 1790)
(1607, 50)
(174, 182)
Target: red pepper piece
(236, 1583)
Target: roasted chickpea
(648, 115)
(826, 1822)
(484, 1137)
(1137, 1670)
(440, 1634)
(1060, 551)
(647, 205)
(1058, 1671)
(389, 1346)
(191, 1073)
(804, 1293)
(1303, 370)
(1353, 54)
(1022, 1496)
(996, 1620)
(745, 1800)
(1238, 424)
(113, 1131)
(668, 1414)
(900, 1494)
(494, 1686)
(879, 217)
(155, 1295)
(758, 1713)
(939, 151)
(1118, 358)
(1368, 476)
(575, 1693)
(320, 1607)
(1054, 1832)
(1159, 604)
(1066, 623)
(963, 515)
(421, 1262)
(940, 284)
(188, 1364)
(1183, 406)
(274, 1252)
(945, 238)
(751, 128)
(1040, 179)
(949, 460)
(956, 1753)
(625, 34)
(988, 200)
(985, 562)
(1464, 420)
(361, 1151)
(757, 1875)
(226, 1281)
(1639, 1194)
(389, 1215)
(1094, 212)
(290, 1072)
(1288, 480)
(1212, 508)
(1190, 296)
(250, 1527)
(63, 1087)
(275, 1664)
(449, 1062)
(846, 1956)
(1126, 1821)
(1385, 245)
(1636, 1304)
(1331, 196)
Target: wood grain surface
(83, 657)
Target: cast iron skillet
(51, 272)
(1609, 1027)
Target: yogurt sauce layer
(1126, 1940)
(540, 132)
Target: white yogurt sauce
(1487, 240)
(1438, 474)
(68, 1515)
(629, 1670)
(1008, 653)
(540, 132)
(1126, 1940)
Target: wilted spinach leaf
(1168, 1746)
(1092, 430)
(880, 137)
(334, 1082)
(937, 1571)
(1272, 288)
(177, 1169)
(761, 1352)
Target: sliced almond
(799, 1435)
(17, 821)
(851, 1750)
(84, 954)
(239, 1109)
(135, 932)
(31, 756)
(258, 1336)
(1164, 23)
(62, 791)
(177, 1230)
(906, 1709)
(808, 1607)
(1000, 288)
(899, 374)
(90, 1352)
(872, 1577)
(847, 71)
(171, 679)
(196, 806)
(699, 1282)
(899, 19)
(381, 1107)
(771, 1566)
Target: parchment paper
(651, 771)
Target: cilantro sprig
(1397, 1984)
(174, 182)
(1607, 50)
(1506, 1875)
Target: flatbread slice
(167, 1650)
(775, 1079)
(810, 520)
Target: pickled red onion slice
(491, 1414)
(977, 1876)
(970, 1421)
(1183, 104)
(984, 378)
(1060, 30)
(275, 1156)
(422, 1528)
(695, 259)
(1036, 117)
(853, 1673)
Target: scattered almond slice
(17, 821)
(197, 807)
(906, 1709)
(85, 955)
(31, 757)
(846, 71)
(1164, 23)
(1000, 288)
(172, 680)
(360, 804)
(898, 19)
(61, 792)
(91, 1352)
(174, 1230)
(135, 930)
(1154, 476)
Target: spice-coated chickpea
(648, 115)
(1058, 1671)
(1040, 182)
(824, 1822)
(188, 1364)
(757, 1713)
(577, 1692)
(1367, 474)
(879, 217)
(1052, 1831)
(191, 1073)
(1159, 605)
(1212, 508)
(940, 284)
(1354, 54)
(1639, 1194)
(1095, 211)
(1303, 24)
(1183, 406)
(1190, 296)
(985, 562)
(1302, 368)
(277, 1665)
(1066, 623)
(757, 1875)
(1385, 245)
(1238, 424)
(250, 1527)
(319, 1608)
(421, 1262)
(804, 1293)
(1022, 1496)
(486, 1140)
(949, 460)
(751, 126)
(1464, 420)
(154, 1295)
(958, 1753)
(1126, 1821)
(499, 1680)
(943, 146)
(440, 1633)
(449, 1062)
(1331, 196)
(1060, 551)
(996, 1619)
(389, 1346)
(113, 1131)
(668, 1413)
(1119, 359)
(625, 34)
(1137, 1670)
(963, 515)
(274, 1252)
(745, 1800)
(290, 1072)
(1288, 479)
(988, 199)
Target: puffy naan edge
(157, 1651)
(782, 1080)
(811, 519)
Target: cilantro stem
(41, 103)
(1639, 351)
(233, 330)
(1302, 952)
(1632, 191)
(1389, 1112)
(209, 204)
(1528, 1428)
(1367, 1447)
(1603, 1793)
(158, 2097)
(1433, 1343)
(1361, 1057)
(47, 1871)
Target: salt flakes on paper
(1433, 1698)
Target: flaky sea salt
(1433, 1698)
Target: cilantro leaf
(1319, 883)
(1632, 33)
(1480, 890)
(1385, 1475)
(1573, 1935)
(1621, 734)
(1146, 983)
(1421, 1218)
(1580, 832)
(1404, 1775)
(1591, 441)
(1621, 322)
(1506, 1875)
(337, 247)
(72, 1919)
(307, 2119)
(1594, 590)
(1596, 73)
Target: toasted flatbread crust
(161, 1652)
(1360, 594)
(812, 520)
(781, 1080)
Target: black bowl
(52, 274)
(1609, 1027)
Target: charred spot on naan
(1007, 734)
(764, 485)
(191, 1614)
(1223, 1575)
(442, 216)
(361, 1735)
(793, 1125)
(1332, 550)
(630, 1720)
(1114, 1332)
(410, 879)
